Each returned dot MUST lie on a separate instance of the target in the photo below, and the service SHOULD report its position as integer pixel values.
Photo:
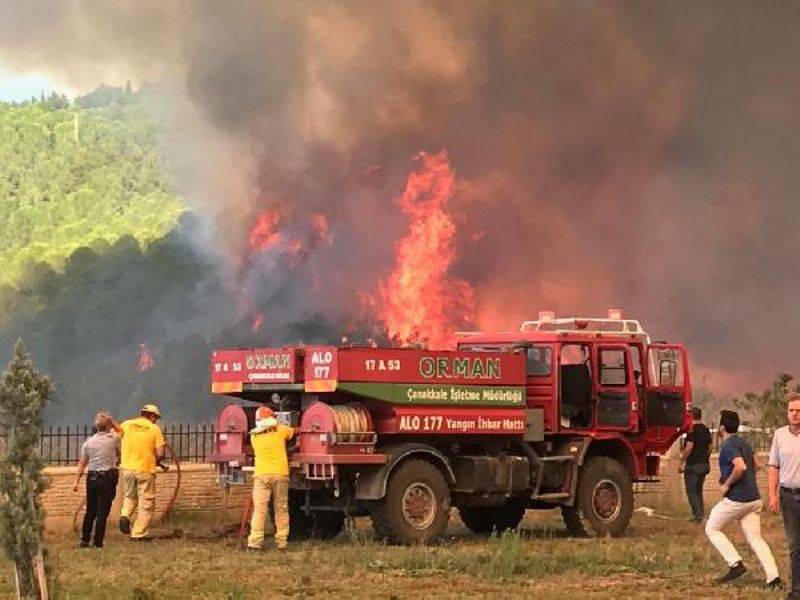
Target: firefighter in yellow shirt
(270, 478)
(142, 450)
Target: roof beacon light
(547, 316)
(612, 326)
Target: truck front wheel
(604, 503)
(416, 507)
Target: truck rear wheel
(604, 503)
(416, 507)
(319, 525)
(478, 519)
(486, 519)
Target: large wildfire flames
(419, 301)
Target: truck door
(615, 389)
(667, 388)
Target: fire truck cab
(608, 397)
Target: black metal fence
(195, 442)
(191, 442)
(760, 439)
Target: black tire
(319, 525)
(510, 515)
(416, 507)
(604, 502)
(327, 525)
(478, 519)
(486, 519)
(574, 522)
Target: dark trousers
(101, 488)
(790, 508)
(694, 475)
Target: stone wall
(199, 491)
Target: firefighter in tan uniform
(270, 478)
(142, 450)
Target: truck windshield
(666, 367)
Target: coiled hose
(352, 422)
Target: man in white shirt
(784, 484)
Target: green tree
(61, 190)
(768, 408)
(23, 395)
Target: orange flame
(263, 234)
(319, 223)
(420, 302)
(256, 321)
(295, 253)
(145, 362)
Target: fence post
(203, 451)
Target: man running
(740, 502)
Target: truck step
(552, 496)
(559, 458)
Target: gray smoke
(610, 154)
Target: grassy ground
(658, 558)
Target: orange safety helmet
(264, 412)
(265, 418)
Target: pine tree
(23, 395)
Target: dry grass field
(658, 558)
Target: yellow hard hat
(151, 408)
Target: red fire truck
(564, 413)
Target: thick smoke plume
(608, 154)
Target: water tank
(233, 423)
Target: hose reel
(352, 422)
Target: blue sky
(21, 86)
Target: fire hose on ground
(76, 521)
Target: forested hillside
(73, 177)
(94, 256)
